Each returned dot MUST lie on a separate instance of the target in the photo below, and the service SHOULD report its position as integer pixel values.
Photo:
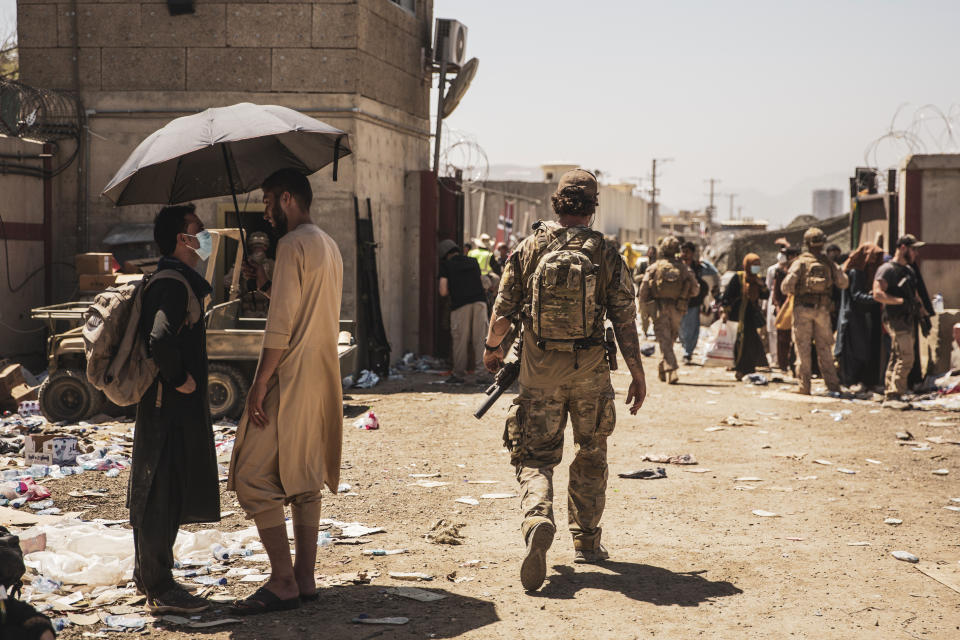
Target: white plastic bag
(720, 348)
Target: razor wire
(929, 129)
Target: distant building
(689, 225)
(622, 212)
(827, 203)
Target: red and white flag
(505, 222)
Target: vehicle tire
(67, 396)
(227, 388)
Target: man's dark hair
(169, 223)
(572, 201)
(292, 182)
(832, 247)
(688, 246)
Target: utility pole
(654, 212)
(711, 209)
(731, 196)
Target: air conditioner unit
(450, 42)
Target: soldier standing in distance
(669, 283)
(895, 286)
(810, 280)
(558, 284)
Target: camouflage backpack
(565, 283)
(117, 359)
(667, 280)
(816, 278)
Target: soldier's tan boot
(591, 556)
(533, 570)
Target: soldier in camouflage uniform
(558, 284)
(810, 280)
(669, 283)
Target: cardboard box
(93, 264)
(88, 282)
(140, 265)
(23, 392)
(11, 376)
(50, 449)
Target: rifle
(611, 348)
(504, 378)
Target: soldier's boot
(591, 556)
(533, 570)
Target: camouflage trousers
(901, 355)
(812, 324)
(648, 311)
(666, 327)
(534, 436)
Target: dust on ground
(689, 558)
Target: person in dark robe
(859, 328)
(173, 476)
(741, 304)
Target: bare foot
(283, 589)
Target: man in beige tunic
(289, 437)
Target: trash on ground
(468, 500)
(872, 461)
(757, 379)
(904, 435)
(765, 514)
(452, 577)
(482, 481)
(952, 508)
(382, 552)
(748, 479)
(858, 544)
(367, 422)
(413, 593)
(198, 624)
(824, 462)
(940, 472)
(648, 349)
(367, 379)
(847, 471)
(425, 475)
(711, 429)
(893, 521)
(410, 576)
(645, 474)
(696, 470)
(906, 556)
(363, 619)
(428, 484)
(683, 458)
(129, 622)
(445, 532)
(792, 456)
(498, 496)
(945, 575)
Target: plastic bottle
(113, 473)
(210, 580)
(18, 502)
(59, 624)
(11, 490)
(324, 539)
(937, 303)
(44, 585)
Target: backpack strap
(194, 309)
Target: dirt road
(689, 556)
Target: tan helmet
(669, 246)
(814, 237)
(258, 239)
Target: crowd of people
(853, 319)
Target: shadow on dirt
(643, 582)
(331, 617)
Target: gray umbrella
(223, 151)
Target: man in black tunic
(173, 479)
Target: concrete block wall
(370, 47)
(355, 64)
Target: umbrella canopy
(189, 158)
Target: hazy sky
(764, 94)
(761, 94)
